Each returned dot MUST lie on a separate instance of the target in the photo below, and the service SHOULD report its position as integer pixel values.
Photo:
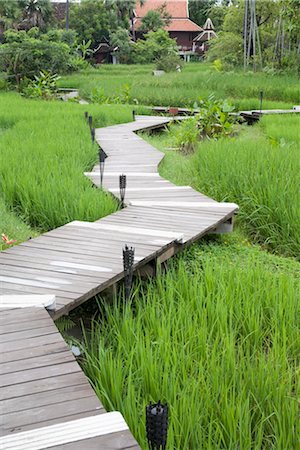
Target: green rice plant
(185, 88)
(257, 170)
(13, 227)
(217, 338)
(45, 148)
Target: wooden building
(180, 27)
(201, 42)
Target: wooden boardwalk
(42, 386)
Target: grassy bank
(137, 84)
(259, 169)
(217, 337)
(45, 148)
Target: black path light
(90, 118)
(133, 115)
(86, 115)
(261, 95)
(128, 260)
(122, 184)
(93, 134)
(102, 157)
(157, 422)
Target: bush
(24, 55)
(157, 45)
(228, 48)
(44, 85)
(169, 63)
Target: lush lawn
(217, 337)
(45, 147)
(259, 169)
(133, 84)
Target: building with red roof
(180, 27)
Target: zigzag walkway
(46, 401)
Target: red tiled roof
(177, 8)
(176, 25)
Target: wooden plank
(64, 433)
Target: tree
(10, 15)
(120, 40)
(92, 20)
(199, 10)
(157, 44)
(36, 13)
(152, 21)
(156, 19)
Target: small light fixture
(133, 115)
(86, 115)
(90, 118)
(128, 260)
(102, 157)
(122, 184)
(157, 425)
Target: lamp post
(90, 118)
(122, 184)
(157, 426)
(102, 156)
(128, 260)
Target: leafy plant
(84, 48)
(215, 119)
(169, 63)
(44, 85)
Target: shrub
(169, 63)
(157, 44)
(44, 85)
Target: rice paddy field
(217, 336)
(137, 85)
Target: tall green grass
(45, 147)
(217, 338)
(259, 169)
(183, 89)
(13, 226)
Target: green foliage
(44, 154)
(183, 89)
(44, 86)
(25, 14)
(92, 20)
(213, 121)
(217, 338)
(186, 135)
(156, 19)
(152, 21)
(84, 49)
(259, 170)
(278, 28)
(121, 41)
(169, 63)
(156, 45)
(24, 55)
(227, 48)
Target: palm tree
(36, 13)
